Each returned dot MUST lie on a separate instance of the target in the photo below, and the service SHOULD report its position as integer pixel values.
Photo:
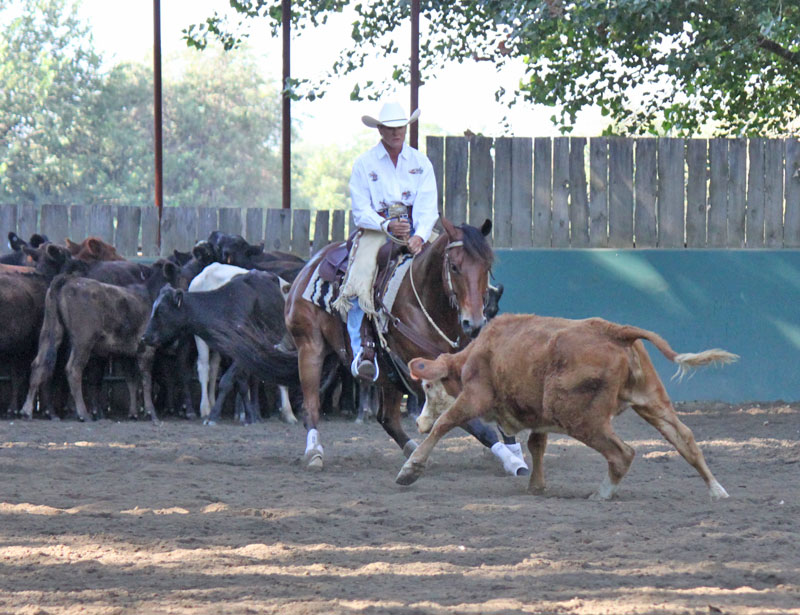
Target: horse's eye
(454, 268)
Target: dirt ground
(120, 517)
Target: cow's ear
(203, 252)
(254, 250)
(177, 298)
(34, 253)
(427, 369)
(52, 251)
(37, 240)
(72, 246)
(171, 273)
(94, 246)
(14, 242)
(486, 227)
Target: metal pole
(286, 126)
(414, 133)
(159, 184)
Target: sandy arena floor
(119, 517)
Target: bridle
(451, 293)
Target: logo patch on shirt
(416, 171)
(407, 195)
(373, 176)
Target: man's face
(392, 137)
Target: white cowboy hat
(392, 115)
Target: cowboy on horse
(393, 193)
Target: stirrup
(364, 369)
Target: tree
(653, 66)
(50, 79)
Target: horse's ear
(449, 228)
(486, 227)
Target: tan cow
(554, 375)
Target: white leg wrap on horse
(312, 441)
(512, 464)
(517, 450)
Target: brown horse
(440, 300)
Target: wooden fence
(539, 192)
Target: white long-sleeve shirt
(376, 184)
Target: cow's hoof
(209, 422)
(409, 448)
(314, 461)
(289, 418)
(409, 473)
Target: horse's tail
(686, 361)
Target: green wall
(747, 302)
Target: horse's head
(467, 261)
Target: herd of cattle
(68, 309)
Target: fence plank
(481, 176)
(101, 222)
(254, 224)
(8, 221)
(150, 232)
(301, 225)
(434, 148)
(696, 192)
(755, 195)
(206, 222)
(502, 193)
(773, 193)
(337, 227)
(521, 191)
(620, 193)
(27, 221)
(542, 196)
(230, 220)
(670, 193)
(737, 172)
(178, 229)
(598, 192)
(645, 174)
(579, 204)
(277, 235)
(718, 193)
(321, 230)
(455, 179)
(791, 224)
(560, 217)
(54, 221)
(126, 239)
(78, 221)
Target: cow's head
(441, 382)
(167, 318)
(467, 263)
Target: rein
(450, 292)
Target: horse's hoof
(314, 461)
(409, 473)
(291, 420)
(409, 448)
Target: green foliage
(71, 133)
(652, 66)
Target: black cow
(18, 255)
(254, 299)
(99, 319)
(235, 250)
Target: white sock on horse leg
(516, 448)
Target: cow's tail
(686, 361)
(52, 332)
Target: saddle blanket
(323, 293)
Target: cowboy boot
(367, 365)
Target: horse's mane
(476, 245)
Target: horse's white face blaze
(437, 401)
